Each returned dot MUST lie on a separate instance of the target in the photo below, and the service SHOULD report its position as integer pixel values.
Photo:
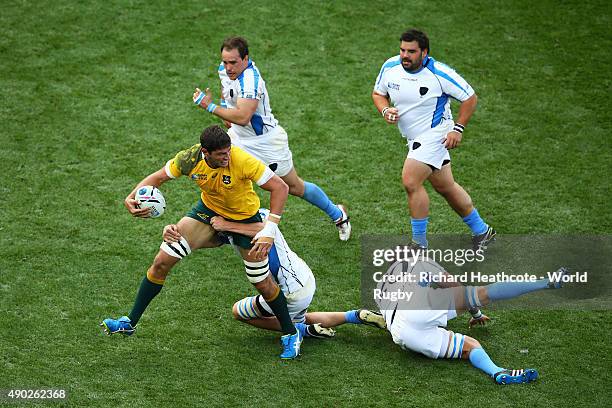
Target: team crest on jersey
(423, 90)
(202, 177)
(393, 85)
(227, 179)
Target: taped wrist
(268, 231)
(459, 128)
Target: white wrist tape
(268, 231)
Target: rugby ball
(151, 197)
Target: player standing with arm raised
(246, 106)
(413, 91)
(225, 176)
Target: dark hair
(214, 138)
(415, 35)
(236, 43)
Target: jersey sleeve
(380, 86)
(250, 84)
(184, 162)
(452, 83)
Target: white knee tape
(455, 348)
(257, 271)
(247, 308)
(178, 249)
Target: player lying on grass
(225, 175)
(297, 282)
(423, 331)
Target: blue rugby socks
(317, 197)
(352, 316)
(476, 224)
(481, 360)
(509, 290)
(419, 230)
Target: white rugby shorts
(299, 301)
(272, 148)
(429, 148)
(419, 330)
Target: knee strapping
(178, 249)
(257, 271)
(471, 297)
(455, 347)
(247, 308)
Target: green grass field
(95, 95)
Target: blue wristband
(211, 107)
(199, 98)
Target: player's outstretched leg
(313, 194)
(460, 346)
(477, 296)
(364, 316)
(337, 213)
(150, 287)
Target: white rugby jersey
(289, 270)
(249, 85)
(422, 97)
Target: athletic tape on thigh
(247, 309)
(178, 249)
(455, 348)
(257, 271)
(471, 297)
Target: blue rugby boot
(123, 325)
(291, 345)
(516, 376)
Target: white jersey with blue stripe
(422, 97)
(249, 85)
(289, 270)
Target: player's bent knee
(455, 346)
(470, 344)
(246, 309)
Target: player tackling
(297, 282)
(413, 91)
(225, 175)
(418, 324)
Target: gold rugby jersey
(228, 191)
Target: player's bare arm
(154, 179)
(264, 239)
(466, 110)
(222, 225)
(241, 115)
(389, 113)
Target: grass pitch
(96, 95)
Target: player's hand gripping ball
(151, 197)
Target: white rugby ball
(151, 197)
